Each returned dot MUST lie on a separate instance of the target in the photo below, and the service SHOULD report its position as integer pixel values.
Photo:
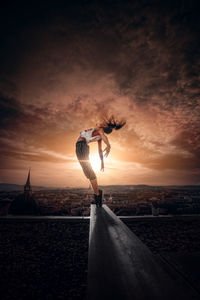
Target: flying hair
(111, 123)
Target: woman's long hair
(111, 123)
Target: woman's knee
(88, 171)
(92, 176)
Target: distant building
(4, 206)
(155, 208)
(25, 204)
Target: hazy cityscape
(123, 200)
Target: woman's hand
(102, 166)
(106, 141)
(107, 151)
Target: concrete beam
(121, 267)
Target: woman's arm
(106, 141)
(101, 154)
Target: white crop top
(87, 134)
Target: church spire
(25, 203)
(27, 187)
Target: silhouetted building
(25, 204)
(4, 206)
(27, 187)
(155, 208)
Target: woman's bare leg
(95, 186)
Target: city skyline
(65, 65)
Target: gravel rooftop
(43, 259)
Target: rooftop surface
(120, 266)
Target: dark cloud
(66, 64)
(10, 112)
(189, 140)
(174, 162)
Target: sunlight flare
(95, 162)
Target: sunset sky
(66, 64)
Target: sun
(95, 162)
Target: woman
(96, 134)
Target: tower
(110, 198)
(25, 203)
(27, 186)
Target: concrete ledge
(43, 218)
(160, 217)
(121, 267)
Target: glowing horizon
(68, 73)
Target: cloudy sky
(65, 65)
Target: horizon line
(64, 187)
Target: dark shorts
(82, 153)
